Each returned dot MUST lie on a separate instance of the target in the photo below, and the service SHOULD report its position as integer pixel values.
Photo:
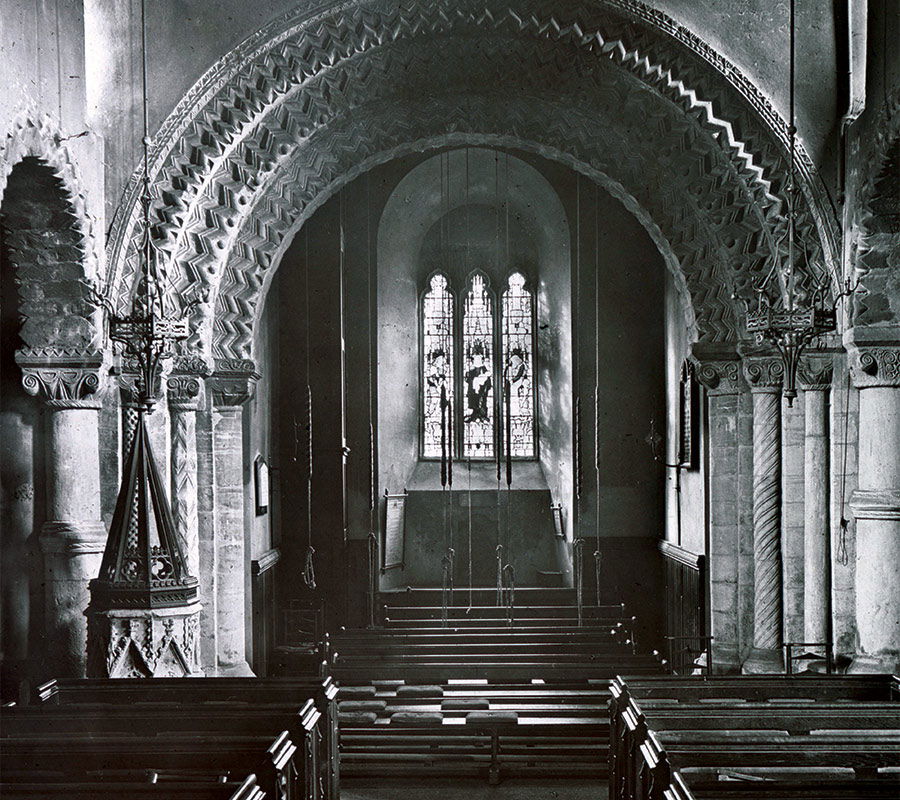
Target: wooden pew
(755, 722)
(78, 759)
(246, 692)
(174, 719)
(665, 754)
(761, 687)
(248, 789)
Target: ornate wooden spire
(143, 564)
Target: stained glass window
(478, 371)
(437, 365)
(518, 367)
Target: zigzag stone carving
(291, 102)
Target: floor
(470, 789)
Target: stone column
(815, 379)
(764, 374)
(876, 505)
(720, 374)
(183, 391)
(73, 536)
(232, 385)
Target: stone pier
(876, 505)
(231, 385)
(816, 375)
(73, 536)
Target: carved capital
(719, 376)
(233, 381)
(816, 372)
(874, 356)
(184, 391)
(875, 366)
(184, 386)
(763, 373)
(64, 381)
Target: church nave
(449, 397)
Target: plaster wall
(686, 490)
(460, 211)
(259, 434)
(621, 291)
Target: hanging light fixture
(143, 619)
(146, 336)
(785, 314)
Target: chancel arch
(279, 120)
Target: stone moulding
(876, 504)
(238, 103)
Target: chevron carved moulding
(613, 89)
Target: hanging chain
(499, 558)
(373, 577)
(309, 567)
(579, 578)
(597, 562)
(470, 534)
(842, 554)
(446, 584)
(509, 573)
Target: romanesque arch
(51, 240)
(318, 96)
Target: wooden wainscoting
(265, 613)
(685, 606)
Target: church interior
(479, 397)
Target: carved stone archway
(874, 229)
(52, 245)
(320, 95)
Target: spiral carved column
(764, 376)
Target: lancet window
(477, 368)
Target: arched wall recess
(414, 208)
(36, 172)
(312, 100)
